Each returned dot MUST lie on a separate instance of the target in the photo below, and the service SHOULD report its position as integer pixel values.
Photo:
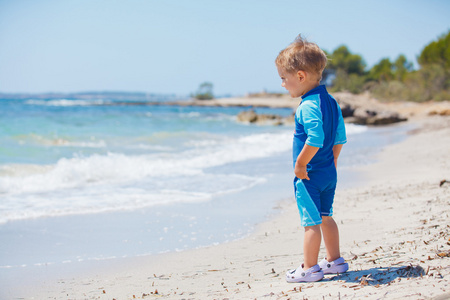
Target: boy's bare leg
(331, 238)
(311, 246)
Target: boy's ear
(301, 75)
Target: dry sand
(395, 234)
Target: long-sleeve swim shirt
(318, 123)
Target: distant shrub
(352, 83)
(394, 80)
(204, 92)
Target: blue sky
(172, 46)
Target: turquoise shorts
(314, 198)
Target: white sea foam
(355, 129)
(117, 181)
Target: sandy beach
(395, 234)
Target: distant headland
(103, 95)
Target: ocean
(85, 180)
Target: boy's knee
(327, 219)
(313, 228)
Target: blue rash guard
(318, 123)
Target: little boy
(318, 139)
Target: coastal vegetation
(393, 80)
(204, 91)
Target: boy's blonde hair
(302, 55)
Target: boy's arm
(341, 137)
(310, 116)
(336, 151)
(303, 159)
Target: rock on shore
(250, 116)
(364, 110)
(359, 109)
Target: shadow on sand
(378, 276)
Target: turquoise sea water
(62, 157)
(82, 180)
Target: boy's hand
(303, 159)
(300, 172)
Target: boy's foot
(299, 275)
(337, 266)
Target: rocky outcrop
(357, 109)
(347, 110)
(250, 116)
(440, 112)
(365, 116)
(364, 110)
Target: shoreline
(393, 233)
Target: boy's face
(293, 82)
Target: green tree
(402, 67)
(383, 71)
(348, 70)
(342, 59)
(437, 52)
(204, 91)
(434, 73)
(430, 82)
(353, 83)
(388, 80)
(394, 80)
